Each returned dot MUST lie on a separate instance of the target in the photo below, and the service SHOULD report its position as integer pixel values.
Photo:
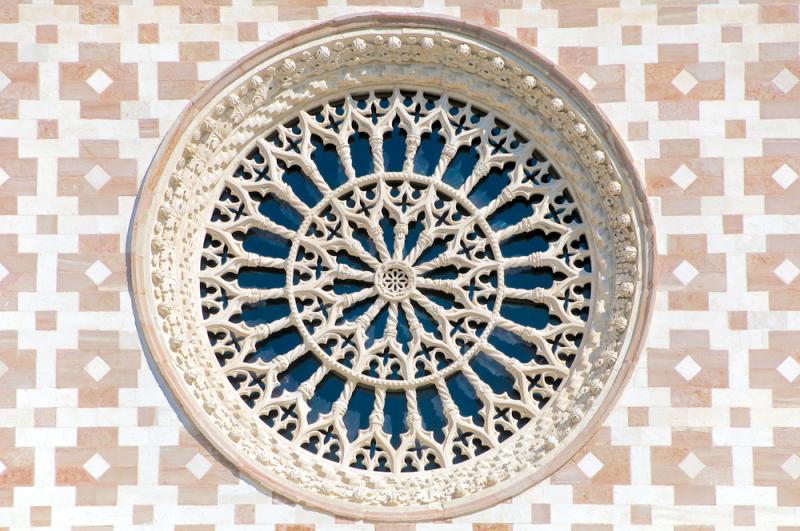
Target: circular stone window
(393, 267)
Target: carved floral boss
(393, 272)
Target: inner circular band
(410, 294)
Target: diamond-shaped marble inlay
(96, 466)
(99, 81)
(785, 176)
(3, 272)
(587, 81)
(97, 177)
(4, 81)
(688, 368)
(787, 271)
(3, 176)
(685, 272)
(2, 467)
(789, 369)
(785, 80)
(590, 465)
(792, 466)
(198, 466)
(683, 177)
(97, 272)
(3, 368)
(691, 465)
(684, 82)
(97, 368)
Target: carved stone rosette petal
(396, 268)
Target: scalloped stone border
(164, 310)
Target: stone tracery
(194, 341)
(396, 256)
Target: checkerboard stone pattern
(706, 96)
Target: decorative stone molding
(184, 223)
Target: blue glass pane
(265, 311)
(490, 186)
(429, 151)
(436, 248)
(415, 228)
(280, 212)
(351, 313)
(326, 393)
(514, 346)
(425, 319)
(345, 258)
(511, 213)
(526, 313)
(276, 344)
(298, 372)
(327, 160)
(527, 243)
(493, 373)
(431, 411)
(357, 415)
(377, 327)
(394, 149)
(395, 410)
(387, 226)
(365, 240)
(404, 336)
(302, 187)
(251, 277)
(343, 286)
(463, 394)
(529, 278)
(361, 154)
(460, 168)
(442, 273)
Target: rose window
(396, 280)
(393, 267)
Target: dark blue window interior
(430, 151)
(394, 148)
(328, 162)
(395, 410)
(461, 166)
(357, 416)
(361, 153)
(432, 411)
(325, 395)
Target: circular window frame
(197, 141)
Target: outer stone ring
(393, 267)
